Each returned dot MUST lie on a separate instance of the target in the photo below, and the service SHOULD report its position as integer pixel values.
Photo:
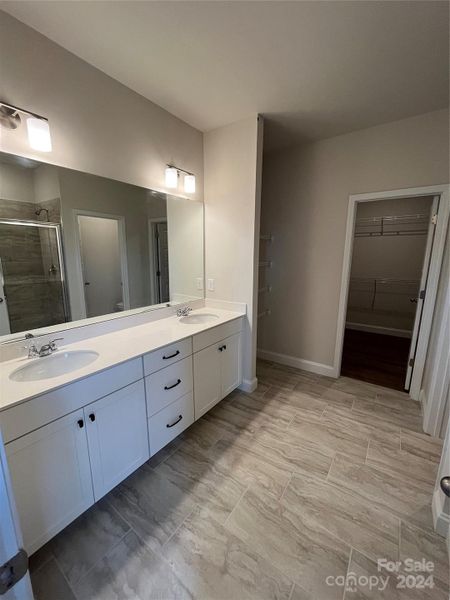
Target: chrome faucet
(44, 350)
(183, 312)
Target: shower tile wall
(14, 209)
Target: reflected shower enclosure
(32, 285)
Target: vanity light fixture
(172, 173)
(189, 184)
(171, 177)
(38, 128)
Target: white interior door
(10, 533)
(422, 292)
(101, 265)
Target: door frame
(433, 275)
(434, 404)
(152, 222)
(10, 531)
(122, 250)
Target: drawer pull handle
(170, 387)
(172, 355)
(80, 423)
(222, 348)
(92, 417)
(175, 422)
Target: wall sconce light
(189, 184)
(172, 173)
(171, 177)
(38, 128)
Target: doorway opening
(392, 260)
(103, 264)
(159, 261)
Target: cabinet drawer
(166, 385)
(216, 334)
(36, 412)
(166, 356)
(170, 422)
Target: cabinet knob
(80, 423)
(92, 417)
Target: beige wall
(305, 201)
(91, 193)
(97, 124)
(16, 183)
(233, 159)
(185, 237)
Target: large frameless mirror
(76, 246)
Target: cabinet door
(230, 364)
(207, 388)
(51, 478)
(117, 434)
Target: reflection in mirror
(76, 246)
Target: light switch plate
(211, 285)
(199, 283)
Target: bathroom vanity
(72, 437)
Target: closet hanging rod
(385, 280)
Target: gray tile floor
(278, 494)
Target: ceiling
(313, 69)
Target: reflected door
(102, 257)
(163, 262)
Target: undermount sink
(198, 319)
(55, 365)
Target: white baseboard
(441, 520)
(249, 385)
(378, 329)
(298, 363)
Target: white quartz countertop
(112, 348)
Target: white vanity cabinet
(170, 404)
(68, 447)
(116, 428)
(217, 367)
(60, 468)
(51, 477)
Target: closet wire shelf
(392, 225)
(383, 295)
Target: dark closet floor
(376, 358)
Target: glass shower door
(33, 276)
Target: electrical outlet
(199, 283)
(211, 285)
